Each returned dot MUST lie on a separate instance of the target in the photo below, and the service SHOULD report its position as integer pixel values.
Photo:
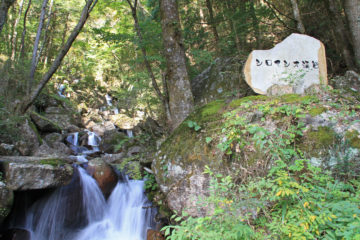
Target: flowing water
(79, 211)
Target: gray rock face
(6, 201)
(26, 173)
(299, 61)
(30, 140)
(222, 78)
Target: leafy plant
(194, 125)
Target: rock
(6, 201)
(25, 173)
(154, 235)
(30, 139)
(221, 79)
(351, 80)
(55, 110)
(59, 149)
(133, 151)
(110, 139)
(122, 121)
(44, 124)
(179, 163)
(53, 138)
(150, 126)
(299, 61)
(15, 234)
(104, 175)
(72, 128)
(111, 158)
(278, 90)
(7, 149)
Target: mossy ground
(353, 138)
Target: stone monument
(293, 65)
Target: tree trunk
(352, 9)
(299, 24)
(45, 33)
(255, 24)
(341, 32)
(14, 39)
(180, 96)
(4, 8)
(90, 4)
(212, 23)
(164, 100)
(36, 47)
(22, 46)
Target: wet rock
(154, 235)
(15, 234)
(25, 173)
(111, 139)
(6, 201)
(112, 158)
(7, 149)
(104, 175)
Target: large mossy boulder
(242, 138)
(222, 79)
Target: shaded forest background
(107, 56)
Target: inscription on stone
(299, 62)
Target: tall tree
(180, 96)
(22, 44)
(213, 23)
(14, 39)
(4, 8)
(28, 101)
(163, 97)
(340, 31)
(36, 46)
(299, 24)
(352, 9)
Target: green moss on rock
(316, 143)
(53, 162)
(237, 102)
(353, 138)
(317, 111)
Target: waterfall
(129, 133)
(79, 211)
(73, 139)
(127, 215)
(109, 103)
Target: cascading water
(79, 211)
(109, 103)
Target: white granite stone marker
(299, 61)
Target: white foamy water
(80, 212)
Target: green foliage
(150, 182)
(194, 125)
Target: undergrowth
(293, 200)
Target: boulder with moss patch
(240, 138)
(26, 173)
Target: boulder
(59, 149)
(222, 79)
(26, 173)
(104, 175)
(327, 138)
(6, 201)
(111, 139)
(7, 149)
(122, 121)
(299, 62)
(30, 139)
